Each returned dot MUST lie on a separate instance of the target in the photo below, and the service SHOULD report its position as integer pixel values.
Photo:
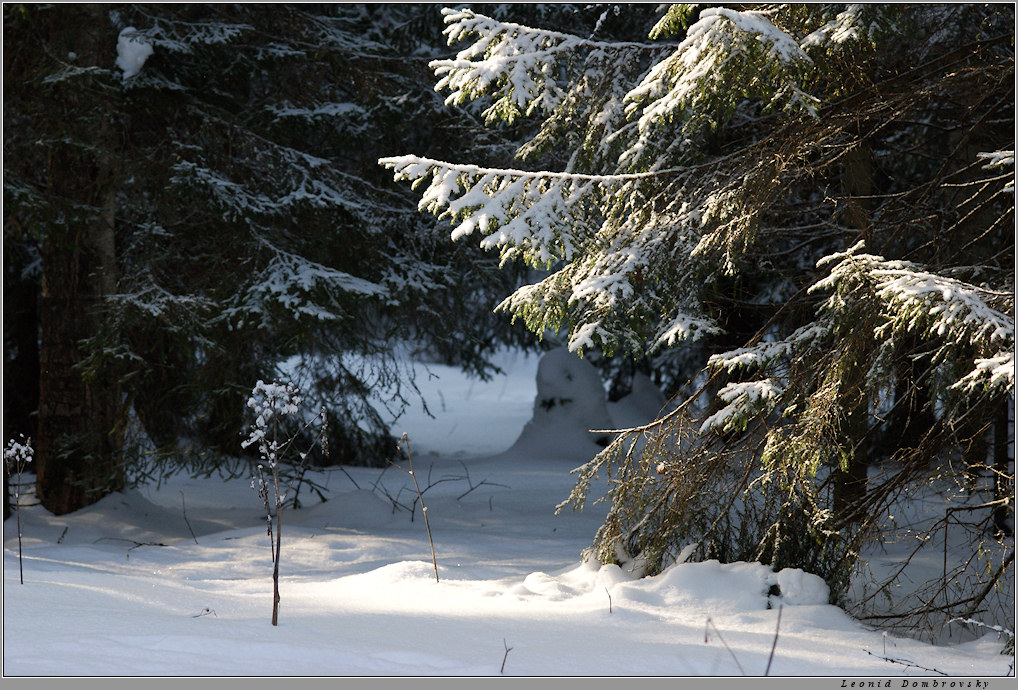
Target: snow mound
(645, 397)
(732, 587)
(708, 587)
(570, 403)
(799, 588)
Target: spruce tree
(200, 185)
(816, 201)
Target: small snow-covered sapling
(17, 456)
(270, 402)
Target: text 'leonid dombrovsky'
(906, 683)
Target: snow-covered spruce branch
(990, 372)
(184, 37)
(516, 64)
(306, 166)
(847, 26)
(745, 400)
(416, 167)
(1000, 159)
(160, 303)
(716, 64)
(544, 217)
(293, 282)
(951, 305)
(522, 214)
(759, 356)
(930, 305)
(525, 214)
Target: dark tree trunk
(78, 447)
(912, 417)
(81, 417)
(850, 479)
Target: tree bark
(81, 417)
(850, 479)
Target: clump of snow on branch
(514, 62)
(1000, 159)
(132, 51)
(745, 399)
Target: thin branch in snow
(905, 662)
(508, 649)
(774, 644)
(183, 507)
(404, 440)
(706, 639)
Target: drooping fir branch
(522, 214)
(713, 70)
(595, 224)
(520, 66)
(952, 315)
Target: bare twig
(424, 509)
(609, 599)
(352, 480)
(205, 612)
(508, 649)
(183, 507)
(137, 544)
(775, 643)
(706, 639)
(470, 483)
(990, 584)
(905, 662)
(63, 534)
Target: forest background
(796, 221)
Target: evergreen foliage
(816, 200)
(244, 222)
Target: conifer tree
(820, 200)
(199, 184)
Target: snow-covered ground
(123, 588)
